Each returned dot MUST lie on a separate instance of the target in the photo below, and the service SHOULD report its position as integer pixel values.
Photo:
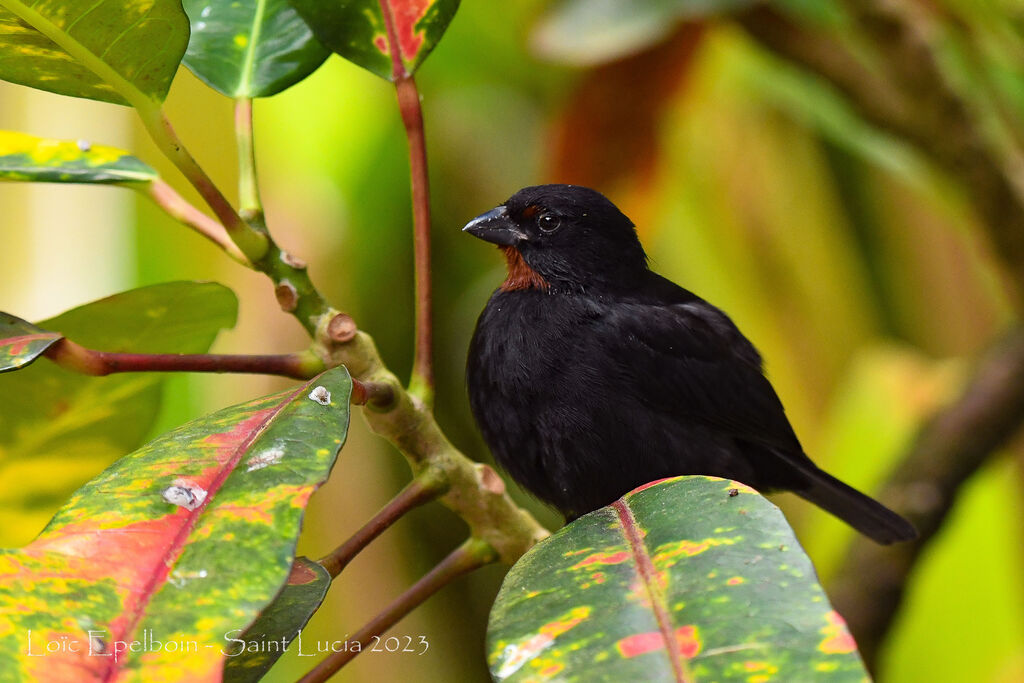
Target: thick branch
(909, 95)
(475, 492)
(471, 555)
(422, 383)
(72, 356)
(424, 488)
(948, 450)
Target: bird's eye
(548, 222)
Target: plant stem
(421, 384)
(178, 208)
(251, 207)
(475, 492)
(72, 356)
(471, 555)
(252, 242)
(425, 487)
(374, 394)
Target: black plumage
(590, 375)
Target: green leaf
(588, 32)
(21, 342)
(119, 52)
(58, 428)
(183, 541)
(28, 158)
(585, 32)
(704, 566)
(250, 49)
(391, 38)
(253, 653)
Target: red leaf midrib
(174, 550)
(394, 46)
(648, 575)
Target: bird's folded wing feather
(688, 359)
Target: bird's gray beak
(495, 226)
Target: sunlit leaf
(391, 38)
(59, 428)
(692, 578)
(116, 52)
(250, 49)
(21, 342)
(252, 653)
(29, 158)
(183, 541)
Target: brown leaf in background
(607, 136)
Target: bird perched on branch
(590, 375)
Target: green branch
(248, 186)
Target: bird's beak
(495, 226)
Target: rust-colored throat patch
(520, 275)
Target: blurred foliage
(857, 268)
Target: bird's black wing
(680, 356)
(688, 359)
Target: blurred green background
(855, 266)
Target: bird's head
(565, 237)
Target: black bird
(590, 375)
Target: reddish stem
(424, 488)
(471, 555)
(72, 356)
(375, 394)
(422, 383)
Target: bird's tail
(861, 512)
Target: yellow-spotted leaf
(26, 157)
(687, 579)
(150, 567)
(21, 342)
(391, 38)
(252, 653)
(58, 428)
(120, 52)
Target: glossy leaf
(705, 566)
(183, 541)
(250, 49)
(21, 342)
(391, 38)
(116, 52)
(251, 654)
(29, 158)
(59, 428)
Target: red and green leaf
(21, 342)
(29, 158)
(688, 579)
(179, 543)
(391, 38)
(252, 653)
